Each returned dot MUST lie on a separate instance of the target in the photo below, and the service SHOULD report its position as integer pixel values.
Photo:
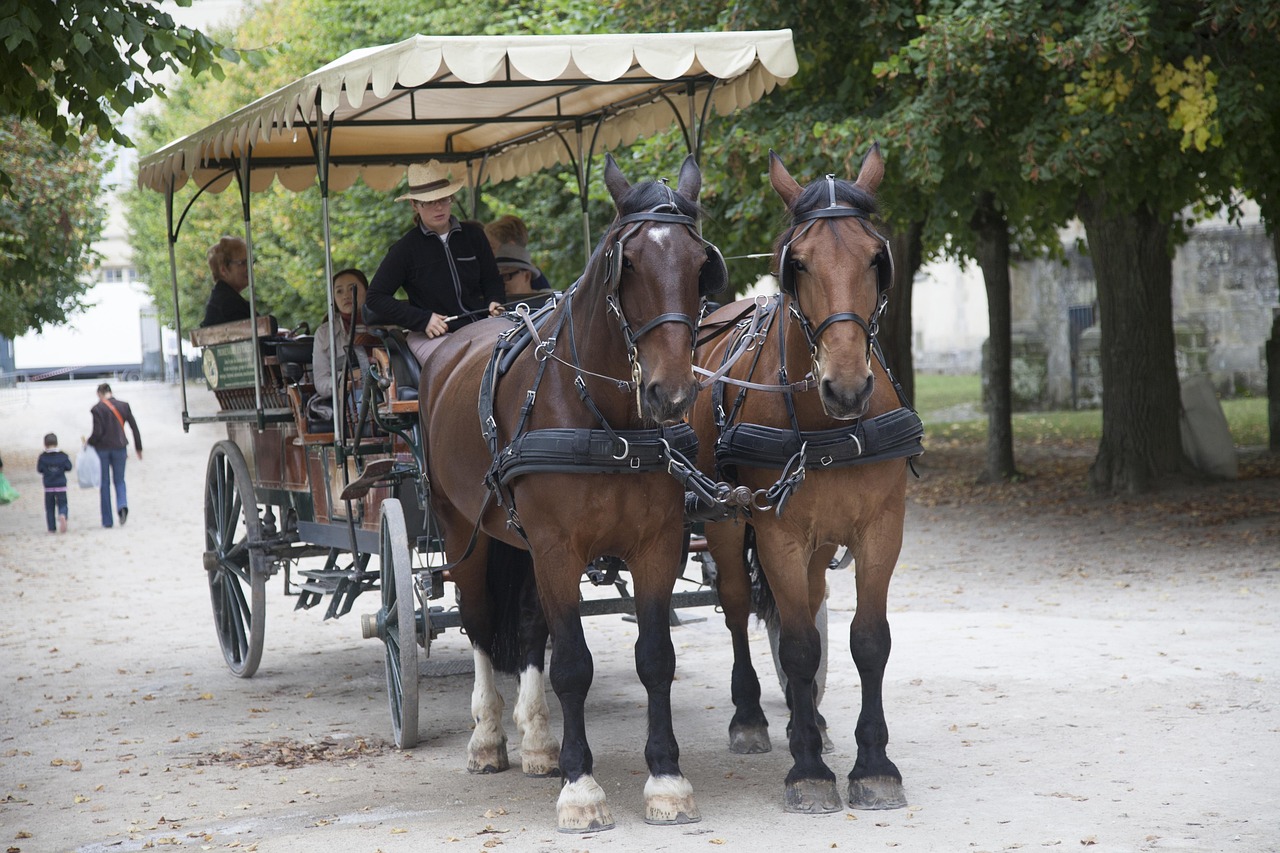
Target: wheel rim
(400, 624)
(236, 574)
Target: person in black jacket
(108, 438)
(53, 466)
(229, 263)
(445, 267)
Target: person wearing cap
(519, 274)
(445, 267)
(510, 228)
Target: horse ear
(872, 170)
(689, 183)
(783, 184)
(614, 180)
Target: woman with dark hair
(349, 289)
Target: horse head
(834, 267)
(656, 268)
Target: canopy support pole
(242, 177)
(173, 282)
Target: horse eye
(626, 263)
(798, 266)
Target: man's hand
(495, 309)
(139, 452)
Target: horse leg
(539, 750)
(749, 728)
(668, 796)
(874, 782)
(487, 749)
(819, 565)
(810, 784)
(581, 806)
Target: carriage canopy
(505, 106)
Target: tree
(48, 221)
(74, 66)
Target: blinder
(715, 275)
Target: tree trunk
(1273, 361)
(895, 324)
(992, 232)
(1141, 442)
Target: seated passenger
(519, 273)
(511, 229)
(229, 263)
(349, 289)
(444, 267)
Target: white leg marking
(582, 807)
(487, 751)
(669, 799)
(539, 750)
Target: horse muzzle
(846, 401)
(666, 402)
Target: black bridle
(883, 262)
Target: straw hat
(430, 181)
(513, 256)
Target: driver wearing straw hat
(445, 267)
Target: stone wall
(1224, 295)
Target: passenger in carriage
(349, 289)
(519, 274)
(511, 229)
(445, 267)
(229, 263)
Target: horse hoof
(668, 800)
(489, 760)
(877, 792)
(540, 765)
(750, 741)
(813, 796)
(582, 807)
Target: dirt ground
(1067, 672)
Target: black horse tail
(762, 601)
(512, 596)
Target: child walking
(53, 465)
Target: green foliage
(74, 66)
(48, 221)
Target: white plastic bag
(88, 468)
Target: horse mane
(641, 197)
(816, 195)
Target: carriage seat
(404, 364)
(295, 358)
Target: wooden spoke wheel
(237, 571)
(397, 624)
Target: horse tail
(509, 580)
(762, 601)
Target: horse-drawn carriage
(590, 395)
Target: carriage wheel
(399, 628)
(234, 568)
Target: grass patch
(951, 408)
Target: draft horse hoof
(489, 760)
(582, 808)
(813, 796)
(669, 801)
(877, 792)
(749, 741)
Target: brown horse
(823, 456)
(573, 439)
